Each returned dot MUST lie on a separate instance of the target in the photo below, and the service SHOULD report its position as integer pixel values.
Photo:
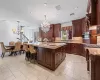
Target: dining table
(11, 47)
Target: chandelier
(18, 30)
(45, 26)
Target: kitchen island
(93, 61)
(50, 55)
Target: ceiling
(33, 11)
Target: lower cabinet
(50, 58)
(68, 48)
(44, 56)
(94, 66)
(75, 48)
(60, 55)
(57, 58)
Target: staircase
(24, 38)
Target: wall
(6, 34)
(29, 33)
(66, 24)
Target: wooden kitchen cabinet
(98, 12)
(57, 30)
(40, 56)
(75, 48)
(94, 64)
(68, 48)
(50, 58)
(81, 50)
(49, 34)
(77, 28)
(93, 37)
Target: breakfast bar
(50, 55)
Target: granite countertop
(94, 51)
(48, 45)
(78, 42)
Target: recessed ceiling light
(58, 7)
(45, 4)
(76, 8)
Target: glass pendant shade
(45, 26)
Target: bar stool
(33, 54)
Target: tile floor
(16, 68)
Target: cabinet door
(73, 48)
(93, 38)
(80, 49)
(49, 34)
(57, 58)
(85, 24)
(57, 30)
(77, 28)
(41, 55)
(48, 58)
(68, 48)
(98, 12)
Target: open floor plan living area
(49, 39)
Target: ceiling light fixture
(45, 26)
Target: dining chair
(12, 43)
(26, 49)
(17, 48)
(33, 54)
(25, 42)
(4, 49)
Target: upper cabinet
(48, 35)
(80, 26)
(77, 28)
(57, 30)
(95, 12)
(98, 12)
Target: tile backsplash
(78, 39)
(98, 39)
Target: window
(64, 35)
